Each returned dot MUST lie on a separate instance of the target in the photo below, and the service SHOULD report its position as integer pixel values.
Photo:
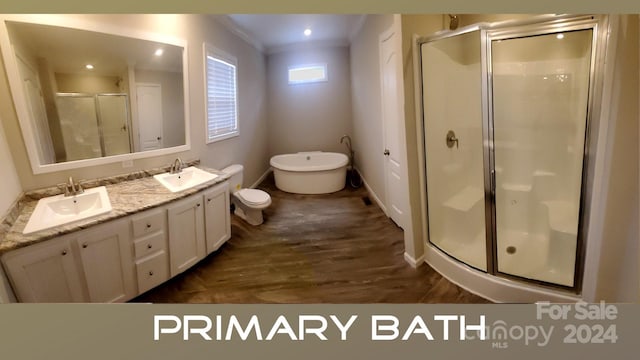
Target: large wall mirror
(85, 96)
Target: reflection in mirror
(92, 95)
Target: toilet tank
(235, 181)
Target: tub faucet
(348, 138)
(177, 166)
(348, 143)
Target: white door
(35, 102)
(393, 129)
(149, 104)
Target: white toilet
(248, 202)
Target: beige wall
(313, 116)
(172, 103)
(618, 273)
(421, 25)
(90, 84)
(11, 188)
(249, 149)
(366, 110)
(49, 89)
(10, 192)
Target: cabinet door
(217, 217)
(186, 233)
(45, 272)
(106, 255)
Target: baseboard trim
(261, 178)
(415, 263)
(372, 193)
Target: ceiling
(69, 50)
(277, 31)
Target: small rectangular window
(222, 90)
(307, 74)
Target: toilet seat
(253, 197)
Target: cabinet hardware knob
(84, 246)
(150, 273)
(148, 226)
(64, 252)
(198, 204)
(208, 200)
(149, 246)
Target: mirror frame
(20, 103)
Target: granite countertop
(128, 194)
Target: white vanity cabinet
(186, 233)
(150, 248)
(46, 272)
(93, 265)
(120, 259)
(216, 215)
(198, 225)
(107, 261)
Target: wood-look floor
(311, 249)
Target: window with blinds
(222, 90)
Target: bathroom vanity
(151, 235)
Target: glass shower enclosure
(94, 125)
(506, 119)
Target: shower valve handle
(451, 139)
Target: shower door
(79, 124)
(453, 140)
(94, 125)
(540, 93)
(114, 121)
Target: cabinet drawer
(147, 223)
(152, 271)
(149, 244)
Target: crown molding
(231, 25)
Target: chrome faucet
(348, 143)
(177, 166)
(71, 188)
(348, 138)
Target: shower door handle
(493, 183)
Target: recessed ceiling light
(89, 66)
(307, 32)
(560, 36)
(158, 52)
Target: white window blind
(221, 82)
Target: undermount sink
(185, 179)
(59, 210)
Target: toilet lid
(253, 196)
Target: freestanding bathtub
(314, 172)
